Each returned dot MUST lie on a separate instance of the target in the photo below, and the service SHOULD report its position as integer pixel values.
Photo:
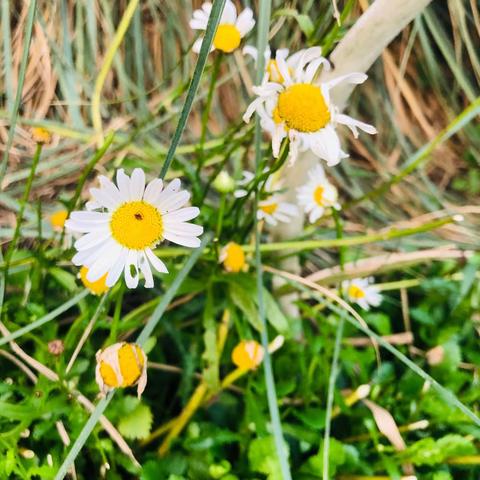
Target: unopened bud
(56, 347)
(224, 183)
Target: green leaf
(274, 315)
(263, 458)
(64, 278)
(304, 21)
(246, 303)
(137, 423)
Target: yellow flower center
(57, 219)
(227, 38)
(302, 107)
(235, 257)
(247, 355)
(130, 364)
(136, 225)
(269, 208)
(355, 292)
(98, 287)
(318, 195)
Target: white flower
(136, 219)
(273, 209)
(302, 110)
(317, 195)
(245, 180)
(231, 28)
(362, 292)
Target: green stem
(262, 38)
(330, 394)
(23, 203)
(21, 79)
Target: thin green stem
(262, 38)
(7, 54)
(213, 21)
(23, 203)
(331, 390)
(21, 79)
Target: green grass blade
(45, 319)
(262, 39)
(213, 21)
(144, 334)
(7, 54)
(21, 79)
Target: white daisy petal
(353, 124)
(93, 217)
(123, 182)
(173, 202)
(153, 190)
(103, 197)
(184, 241)
(157, 264)
(137, 184)
(184, 229)
(91, 239)
(229, 14)
(182, 215)
(131, 264)
(146, 270)
(245, 22)
(117, 269)
(109, 256)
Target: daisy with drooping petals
(231, 29)
(136, 220)
(317, 195)
(301, 110)
(121, 365)
(248, 354)
(362, 292)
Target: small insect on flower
(248, 355)
(231, 28)
(317, 195)
(121, 365)
(58, 218)
(136, 220)
(41, 135)
(301, 110)
(98, 287)
(233, 258)
(362, 292)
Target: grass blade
(21, 79)
(213, 21)
(7, 54)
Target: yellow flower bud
(41, 135)
(57, 219)
(121, 365)
(248, 355)
(98, 287)
(233, 257)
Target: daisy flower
(302, 110)
(231, 29)
(233, 258)
(121, 365)
(362, 292)
(317, 195)
(133, 220)
(57, 219)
